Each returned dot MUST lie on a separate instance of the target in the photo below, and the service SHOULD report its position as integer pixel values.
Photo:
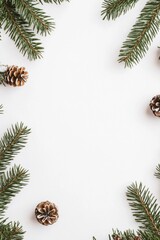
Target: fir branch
(157, 173)
(35, 16)
(144, 207)
(126, 235)
(22, 20)
(11, 143)
(11, 231)
(146, 212)
(132, 235)
(12, 180)
(1, 108)
(1, 20)
(111, 9)
(52, 1)
(11, 183)
(19, 32)
(147, 235)
(1, 78)
(142, 34)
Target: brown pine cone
(16, 76)
(46, 213)
(155, 105)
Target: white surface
(92, 131)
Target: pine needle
(143, 31)
(11, 143)
(112, 9)
(22, 20)
(141, 35)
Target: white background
(92, 131)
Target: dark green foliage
(11, 183)
(146, 212)
(2, 76)
(132, 235)
(41, 23)
(23, 20)
(13, 179)
(53, 1)
(113, 9)
(11, 231)
(1, 108)
(157, 173)
(11, 143)
(143, 31)
(144, 207)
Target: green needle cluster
(22, 20)
(12, 179)
(146, 212)
(143, 31)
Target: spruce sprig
(41, 23)
(144, 207)
(23, 20)
(146, 212)
(132, 235)
(53, 1)
(11, 231)
(157, 173)
(20, 33)
(1, 108)
(13, 179)
(111, 9)
(129, 234)
(143, 31)
(11, 143)
(142, 34)
(11, 183)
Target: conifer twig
(146, 212)
(11, 143)
(141, 35)
(157, 173)
(11, 183)
(12, 231)
(19, 32)
(143, 31)
(53, 1)
(111, 9)
(36, 17)
(144, 207)
(23, 20)
(13, 179)
(1, 108)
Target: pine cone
(155, 105)
(16, 76)
(46, 213)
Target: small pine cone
(16, 76)
(155, 105)
(46, 213)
